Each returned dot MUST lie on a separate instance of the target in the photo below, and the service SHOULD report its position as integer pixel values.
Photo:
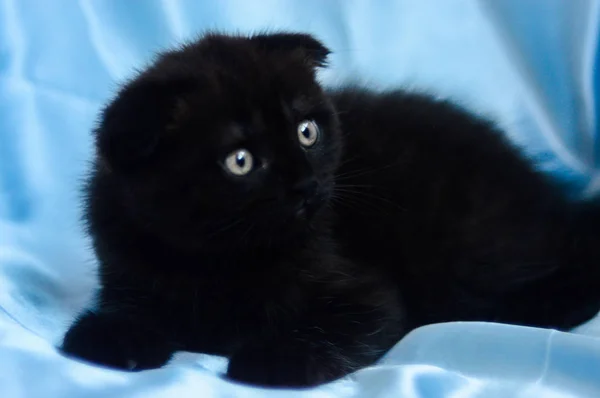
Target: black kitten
(239, 209)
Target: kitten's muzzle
(310, 197)
(306, 188)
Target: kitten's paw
(281, 365)
(113, 343)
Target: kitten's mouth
(307, 208)
(303, 211)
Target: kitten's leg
(116, 340)
(337, 337)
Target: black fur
(412, 211)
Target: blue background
(530, 65)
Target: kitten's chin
(304, 218)
(309, 208)
(304, 213)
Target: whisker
(366, 171)
(247, 232)
(360, 204)
(354, 173)
(369, 195)
(346, 161)
(354, 186)
(227, 227)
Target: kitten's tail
(586, 234)
(582, 270)
(570, 294)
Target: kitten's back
(441, 199)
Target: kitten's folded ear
(131, 126)
(313, 51)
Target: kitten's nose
(307, 188)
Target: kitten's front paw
(111, 342)
(281, 365)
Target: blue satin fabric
(529, 64)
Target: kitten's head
(228, 141)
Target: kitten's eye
(239, 162)
(308, 132)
